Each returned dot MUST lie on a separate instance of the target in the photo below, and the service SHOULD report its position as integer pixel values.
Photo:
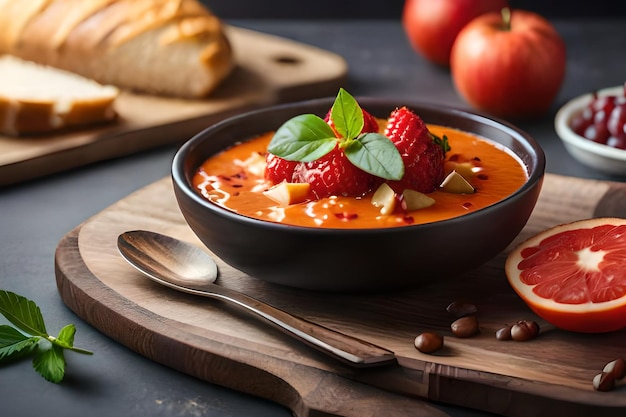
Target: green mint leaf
(347, 115)
(377, 155)
(303, 138)
(23, 313)
(66, 336)
(14, 344)
(9, 335)
(50, 362)
(65, 339)
(48, 354)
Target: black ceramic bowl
(355, 260)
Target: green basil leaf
(23, 313)
(377, 155)
(50, 363)
(303, 138)
(13, 343)
(347, 115)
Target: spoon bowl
(168, 261)
(187, 268)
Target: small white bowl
(596, 155)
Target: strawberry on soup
(423, 154)
(334, 174)
(344, 155)
(278, 169)
(325, 174)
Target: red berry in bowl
(597, 132)
(603, 120)
(617, 142)
(616, 123)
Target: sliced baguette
(169, 47)
(36, 99)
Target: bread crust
(168, 47)
(28, 117)
(27, 107)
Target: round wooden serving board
(551, 374)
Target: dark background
(392, 9)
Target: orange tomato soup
(229, 180)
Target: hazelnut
(465, 326)
(429, 342)
(504, 333)
(604, 381)
(524, 330)
(616, 367)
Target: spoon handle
(348, 349)
(159, 257)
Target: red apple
(509, 65)
(432, 25)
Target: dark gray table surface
(34, 216)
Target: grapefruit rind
(586, 317)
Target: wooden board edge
(110, 145)
(304, 390)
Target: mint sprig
(30, 337)
(308, 137)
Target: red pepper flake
(409, 219)
(237, 185)
(224, 177)
(345, 216)
(482, 177)
(454, 157)
(467, 205)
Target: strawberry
(278, 169)
(334, 174)
(423, 157)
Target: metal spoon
(187, 268)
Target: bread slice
(35, 98)
(168, 47)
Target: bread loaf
(167, 47)
(35, 98)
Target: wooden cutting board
(549, 375)
(269, 70)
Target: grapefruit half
(574, 275)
